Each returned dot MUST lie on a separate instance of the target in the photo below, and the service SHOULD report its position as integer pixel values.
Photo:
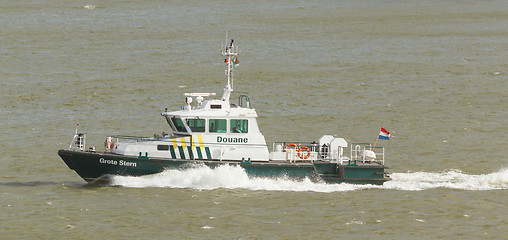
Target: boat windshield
(196, 125)
(178, 125)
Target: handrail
(241, 99)
(358, 152)
(131, 137)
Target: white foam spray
(453, 179)
(235, 177)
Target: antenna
(231, 62)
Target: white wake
(453, 179)
(234, 177)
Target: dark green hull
(93, 166)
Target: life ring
(301, 154)
(289, 146)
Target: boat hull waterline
(98, 167)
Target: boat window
(171, 124)
(217, 125)
(177, 122)
(239, 125)
(196, 125)
(163, 147)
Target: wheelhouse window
(178, 124)
(196, 125)
(217, 125)
(239, 125)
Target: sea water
(431, 72)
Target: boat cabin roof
(214, 108)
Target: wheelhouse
(181, 125)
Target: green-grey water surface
(434, 73)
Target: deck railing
(360, 153)
(300, 151)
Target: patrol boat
(214, 132)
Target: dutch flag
(384, 134)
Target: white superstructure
(206, 129)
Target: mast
(231, 62)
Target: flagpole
(376, 141)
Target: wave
(90, 7)
(452, 179)
(234, 177)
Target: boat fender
(301, 152)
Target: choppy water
(432, 72)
